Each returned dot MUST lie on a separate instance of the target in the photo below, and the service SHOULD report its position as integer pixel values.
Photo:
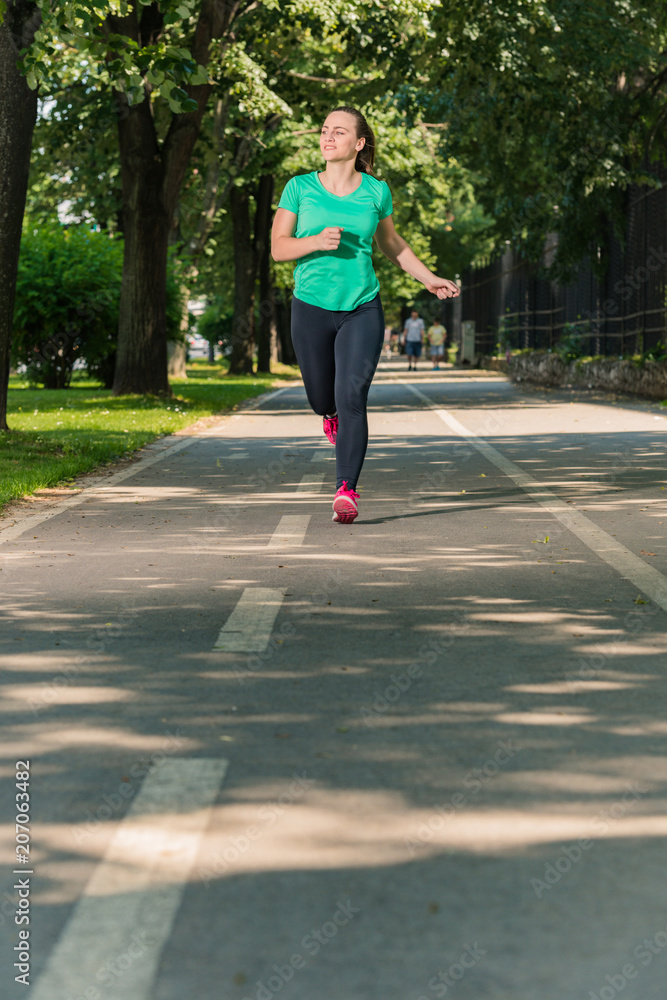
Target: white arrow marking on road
(291, 531)
(311, 483)
(112, 943)
(248, 628)
(631, 567)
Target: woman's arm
(285, 246)
(399, 253)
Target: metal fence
(513, 305)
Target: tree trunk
(176, 358)
(18, 113)
(245, 269)
(141, 363)
(274, 338)
(177, 349)
(152, 176)
(263, 216)
(283, 305)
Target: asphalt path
(421, 755)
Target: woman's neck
(341, 178)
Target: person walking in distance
(413, 331)
(436, 336)
(387, 343)
(326, 221)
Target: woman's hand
(286, 246)
(442, 287)
(329, 238)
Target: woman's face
(338, 139)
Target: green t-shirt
(339, 279)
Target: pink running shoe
(345, 505)
(331, 427)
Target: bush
(657, 353)
(67, 295)
(570, 347)
(67, 299)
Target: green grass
(57, 435)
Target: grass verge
(59, 434)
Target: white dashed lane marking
(248, 628)
(324, 454)
(112, 943)
(290, 532)
(311, 483)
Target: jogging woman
(326, 222)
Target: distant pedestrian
(414, 336)
(437, 335)
(387, 343)
(326, 221)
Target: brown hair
(366, 155)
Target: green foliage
(101, 32)
(67, 297)
(570, 346)
(434, 207)
(504, 342)
(557, 107)
(657, 353)
(215, 323)
(75, 157)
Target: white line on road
(325, 453)
(248, 628)
(311, 483)
(112, 943)
(291, 531)
(631, 567)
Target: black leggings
(338, 353)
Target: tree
(157, 59)
(18, 112)
(266, 327)
(152, 174)
(557, 107)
